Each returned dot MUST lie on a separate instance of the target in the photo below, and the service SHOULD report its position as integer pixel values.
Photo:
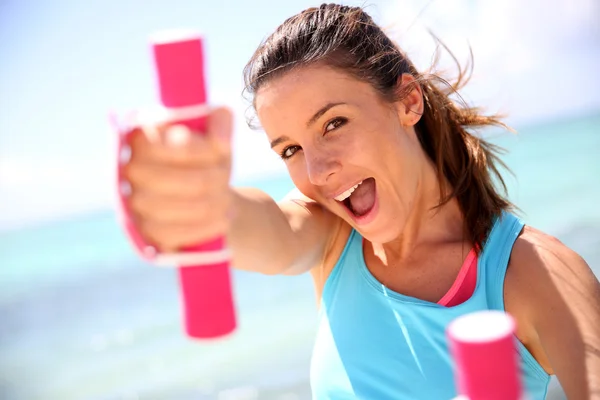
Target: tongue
(363, 198)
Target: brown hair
(346, 38)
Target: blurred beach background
(81, 317)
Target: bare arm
(561, 297)
(286, 238)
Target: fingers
(176, 182)
(173, 223)
(194, 211)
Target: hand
(180, 193)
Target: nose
(321, 166)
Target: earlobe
(410, 106)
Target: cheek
(405, 151)
(380, 143)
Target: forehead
(299, 92)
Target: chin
(379, 235)
(383, 229)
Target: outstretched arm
(289, 237)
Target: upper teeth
(347, 193)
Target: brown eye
(289, 151)
(335, 123)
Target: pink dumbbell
(204, 272)
(483, 347)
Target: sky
(66, 64)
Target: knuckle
(137, 141)
(138, 174)
(151, 231)
(136, 203)
(130, 171)
(142, 205)
(164, 236)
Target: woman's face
(345, 147)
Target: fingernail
(177, 135)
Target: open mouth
(360, 199)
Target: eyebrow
(311, 121)
(279, 140)
(321, 111)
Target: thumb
(220, 128)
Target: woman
(396, 216)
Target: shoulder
(540, 257)
(338, 230)
(549, 283)
(305, 214)
(299, 207)
(541, 266)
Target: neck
(426, 224)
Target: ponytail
(466, 164)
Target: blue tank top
(373, 343)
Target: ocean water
(81, 317)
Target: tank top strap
(496, 254)
(351, 253)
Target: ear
(410, 106)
